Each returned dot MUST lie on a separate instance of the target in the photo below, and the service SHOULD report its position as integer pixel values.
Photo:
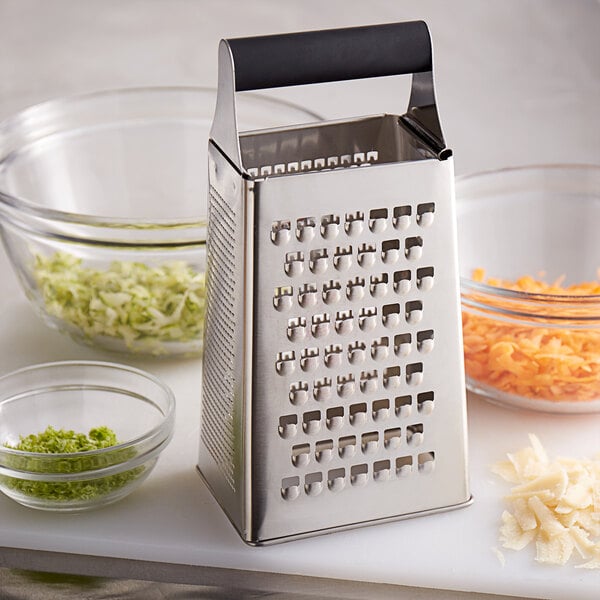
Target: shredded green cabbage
(60, 441)
(132, 301)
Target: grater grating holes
(390, 315)
(283, 297)
(402, 344)
(290, 488)
(379, 285)
(381, 470)
(413, 311)
(300, 455)
(298, 393)
(346, 385)
(347, 446)
(335, 417)
(366, 255)
(311, 422)
(296, 329)
(381, 411)
(305, 229)
(332, 291)
(378, 219)
(367, 318)
(425, 341)
(313, 483)
(322, 389)
(403, 406)
(309, 359)
(307, 295)
(392, 438)
(336, 479)
(285, 363)
(294, 264)
(369, 442)
(413, 247)
(414, 374)
(344, 322)
(324, 450)
(318, 260)
(357, 352)
(380, 348)
(280, 232)
(425, 402)
(401, 219)
(358, 414)
(330, 226)
(342, 258)
(219, 376)
(359, 474)
(368, 381)
(402, 281)
(355, 288)
(404, 466)
(391, 377)
(426, 462)
(288, 426)
(333, 356)
(354, 223)
(425, 278)
(425, 213)
(414, 434)
(390, 251)
(320, 325)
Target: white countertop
(173, 519)
(518, 82)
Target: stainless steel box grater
(333, 392)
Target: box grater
(333, 386)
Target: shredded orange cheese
(539, 362)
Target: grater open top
(333, 392)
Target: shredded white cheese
(554, 504)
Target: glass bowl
(103, 211)
(80, 397)
(530, 344)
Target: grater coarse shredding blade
(333, 385)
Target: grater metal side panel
(358, 408)
(219, 374)
(222, 430)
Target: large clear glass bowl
(80, 396)
(532, 348)
(103, 211)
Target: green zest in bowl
(60, 441)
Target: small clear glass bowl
(538, 351)
(103, 211)
(80, 396)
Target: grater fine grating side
(333, 391)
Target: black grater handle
(331, 55)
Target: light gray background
(518, 81)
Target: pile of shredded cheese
(131, 301)
(539, 362)
(554, 504)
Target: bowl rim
(17, 203)
(469, 285)
(165, 426)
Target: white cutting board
(173, 519)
